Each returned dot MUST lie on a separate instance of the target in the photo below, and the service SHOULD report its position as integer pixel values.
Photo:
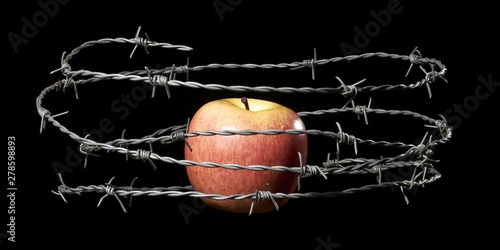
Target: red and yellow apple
(266, 150)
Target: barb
(44, 113)
(61, 188)
(414, 59)
(171, 77)
(308, 63)
(65, 67)
(404, 195)
(180, 135)
(126, 145)
(412, 184)
(263, 195)
(349, 90)
(429, 78)
(69, 81)
(377, 169)
(160, 80)
(183, 69)
(335, 163)
(307, 169)
(145, 155)
(111, 191)
(153, 83)
(361, 110)
(442, 126)
(345, 138)
(129, 189)
(87, 150)
(139, 41)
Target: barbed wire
(417, 157)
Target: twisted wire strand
(170, 160)
(188, 191)
(112, 146)
(97, 76)
(124, 40)
(414, 156)
(100, 76)
(151, 138)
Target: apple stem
(244, 100)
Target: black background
(458, 210)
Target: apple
(266, 150)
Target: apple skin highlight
(266, 150)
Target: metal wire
(415, 156)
